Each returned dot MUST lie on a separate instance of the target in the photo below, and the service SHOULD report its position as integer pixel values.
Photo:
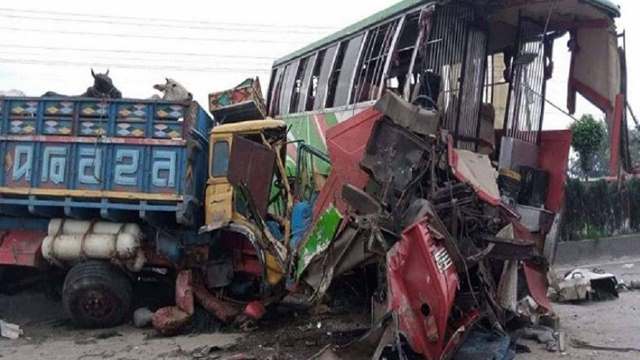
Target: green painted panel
(319, 238)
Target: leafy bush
(589, 135)
(599, 209)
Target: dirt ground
(48, 335)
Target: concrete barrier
(595, 251)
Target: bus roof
(249, 126)
(396, 9)
(608, 6)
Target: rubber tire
(93, 284)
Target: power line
(165, 20)
(130, 66)
(133, 58)
(125, 51)
(126, 58)
(147, 36)
(192, 27)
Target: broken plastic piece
(10, 331)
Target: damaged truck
(122, 199)
(442, 178)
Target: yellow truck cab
(246, 178)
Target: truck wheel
(96, 294)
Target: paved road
(611, 323)
(47, 336)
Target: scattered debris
(584, 285)
(142, 318)
(10, 331)
(554, 341)
(481, 345)
(580, 344)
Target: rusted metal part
(223, 310)
(536, 277)
(252, 163)
(348, 251)
(422, 303)
(254, 310)
(360, 201)
(415, 118)
(394, 155)
(477, 171)
(21, 248)
(511, 249)
(170, 320)
(184, 291)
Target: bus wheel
(96, 294)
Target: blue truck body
(118, 160)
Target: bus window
(312, 91)
(287, 87)
(335, 75)
(297, 85)
(374, 57)
(277, 89)
(305, 87)
(323, 80)
(345, 79)
(401, 58)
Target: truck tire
(96, 294)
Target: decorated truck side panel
(110, 159)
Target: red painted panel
(553, 157)
(21, 248)
(538, 285)
(618, 113)
(422, 290)
(346, 144)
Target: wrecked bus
(432, 113)
(112, 195)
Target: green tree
(589, 135)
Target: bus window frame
(304, 83)
(312, 87)
(392, 50)
(290, 73)
(342, 92)
(274, 107)
(328, 64)
(360, 72)
(320, 102)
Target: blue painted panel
(165, 169)
(90, 167)
(133, 146)
(53, 165)
(128, 168)
(19, 160)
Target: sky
(205, 45)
